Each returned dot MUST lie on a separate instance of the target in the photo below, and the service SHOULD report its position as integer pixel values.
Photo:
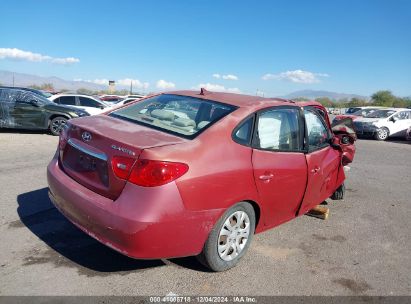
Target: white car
(384, 123)
(89, 104)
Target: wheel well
(257, 211)
(57, 115)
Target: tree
(325, 101)
(383, 98)
(85, 91)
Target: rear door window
(67, 100)
(88, 102)
(278, 130)
(180, 115)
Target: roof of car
(69, 94)
(239, 100)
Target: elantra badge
(129, 152)
(86, 136)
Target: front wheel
(57, 124)
(382, 134)
(230, 238)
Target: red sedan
(196, 173)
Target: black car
(24, 109)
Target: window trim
(239, 126)
(306, 139)
(298, 109)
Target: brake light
(63, 137)
(152, 173)
(122, 166)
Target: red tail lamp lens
(122, 166)
(151, 173)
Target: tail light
(147, 173)
(63, 137)
(122, 166)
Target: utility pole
(131, 87)
(13, 80)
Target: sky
(254, 47)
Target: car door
(279, 165)
(399, 123)
(90, 105)
(6, 108)
(28, 111)
(323, 161)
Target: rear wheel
(57, 124)
(339, 193)
(230, 238)
(382, 134)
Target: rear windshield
(180, 115)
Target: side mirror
(394, 118)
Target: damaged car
(22, 108)
(197, 173)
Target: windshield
(380, 114)
(352, 110)
(180, 115)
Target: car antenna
(204, 91)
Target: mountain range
(21, 79)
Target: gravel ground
(362, 249)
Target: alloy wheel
(233, 235)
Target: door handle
(315, 170)
(266, 177)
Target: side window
(242, 134)
(403, 115)
(278, 130)
(88, 102)
(317, 132)
(67, 100)
(57, 100)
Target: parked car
(125, 101)
(45, 94)
(24, 109)
(111, 99)
(91, 105)
(151, 184)
(384, 123)
(364, 111)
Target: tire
(339, 193)
(56, 125)
(235, 245)
(382, 134)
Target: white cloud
(230, 77)
(136, 83)
(164, 85)
(226, 77)
(121, 82)
(101, 81)
(298, 76)
(17, 54)
(216, 88)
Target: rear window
(180, 115)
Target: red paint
(175, 218)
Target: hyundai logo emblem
(86, 136)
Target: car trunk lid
(92, 143)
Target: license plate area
(85, 166)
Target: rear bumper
(145, 223)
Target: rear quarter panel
(220, 171)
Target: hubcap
(57, 125)
(382, 133)
(233, 235)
